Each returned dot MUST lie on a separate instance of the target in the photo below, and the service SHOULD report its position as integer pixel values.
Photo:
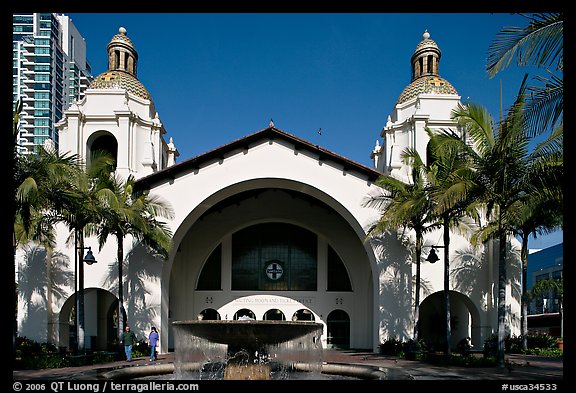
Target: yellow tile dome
(425, 77)
(120, 80)
(121, 73)
(431, 84)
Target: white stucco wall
(384, 276)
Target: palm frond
(540, 43)
(545, 104)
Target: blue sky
(218, 77)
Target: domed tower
(118, 115)
(122, 61)
(426, 102)
(121, 53)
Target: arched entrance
(338, 324)
(100, 321)
(464, 320)
(269, 248)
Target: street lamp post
(89, 259)
(433, 258)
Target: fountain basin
(248, 333)
(329, 371)
(245, 349)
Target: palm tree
(408, 206)
(12, 212)
(77, 216)
(541, 212)
(78, 209)
(499, 159)
(125, 212)
(540, 44)
(41, 182)
(449, 177)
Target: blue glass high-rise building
(50, 71)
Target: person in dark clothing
(128, 339)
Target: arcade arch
(464, 320)
(100, 320)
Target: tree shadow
(140, 269)
(469, 265)
(396, 305)
(33, 290)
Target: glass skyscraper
(50, 72)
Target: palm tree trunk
(524, 312)
(447, 284)
(80, 296)
(12, 164)
(501, 300)
(121, 324)
(51, 336)
(562, 319)
(417, 289)
(14, 300)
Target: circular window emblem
(274, 271)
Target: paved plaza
(521, 367)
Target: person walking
(153, 342)
(128, 339)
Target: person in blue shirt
(153, 342)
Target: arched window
(338, 278)
(211, 275)
(274, 315)
(104, 144)
(429, 155)
(274, 257)
(209, 314)
(303, 315)
(244, 314)
(420, 66)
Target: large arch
(100, 311)
(464, 320)
(212, 224)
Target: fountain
(246, 349)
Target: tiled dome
(425, 78)
(431, 84)
(121, 74)
(120, 80)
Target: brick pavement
(523, 367)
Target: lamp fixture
(89, 257)
(432, 257)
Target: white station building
(269, 226)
